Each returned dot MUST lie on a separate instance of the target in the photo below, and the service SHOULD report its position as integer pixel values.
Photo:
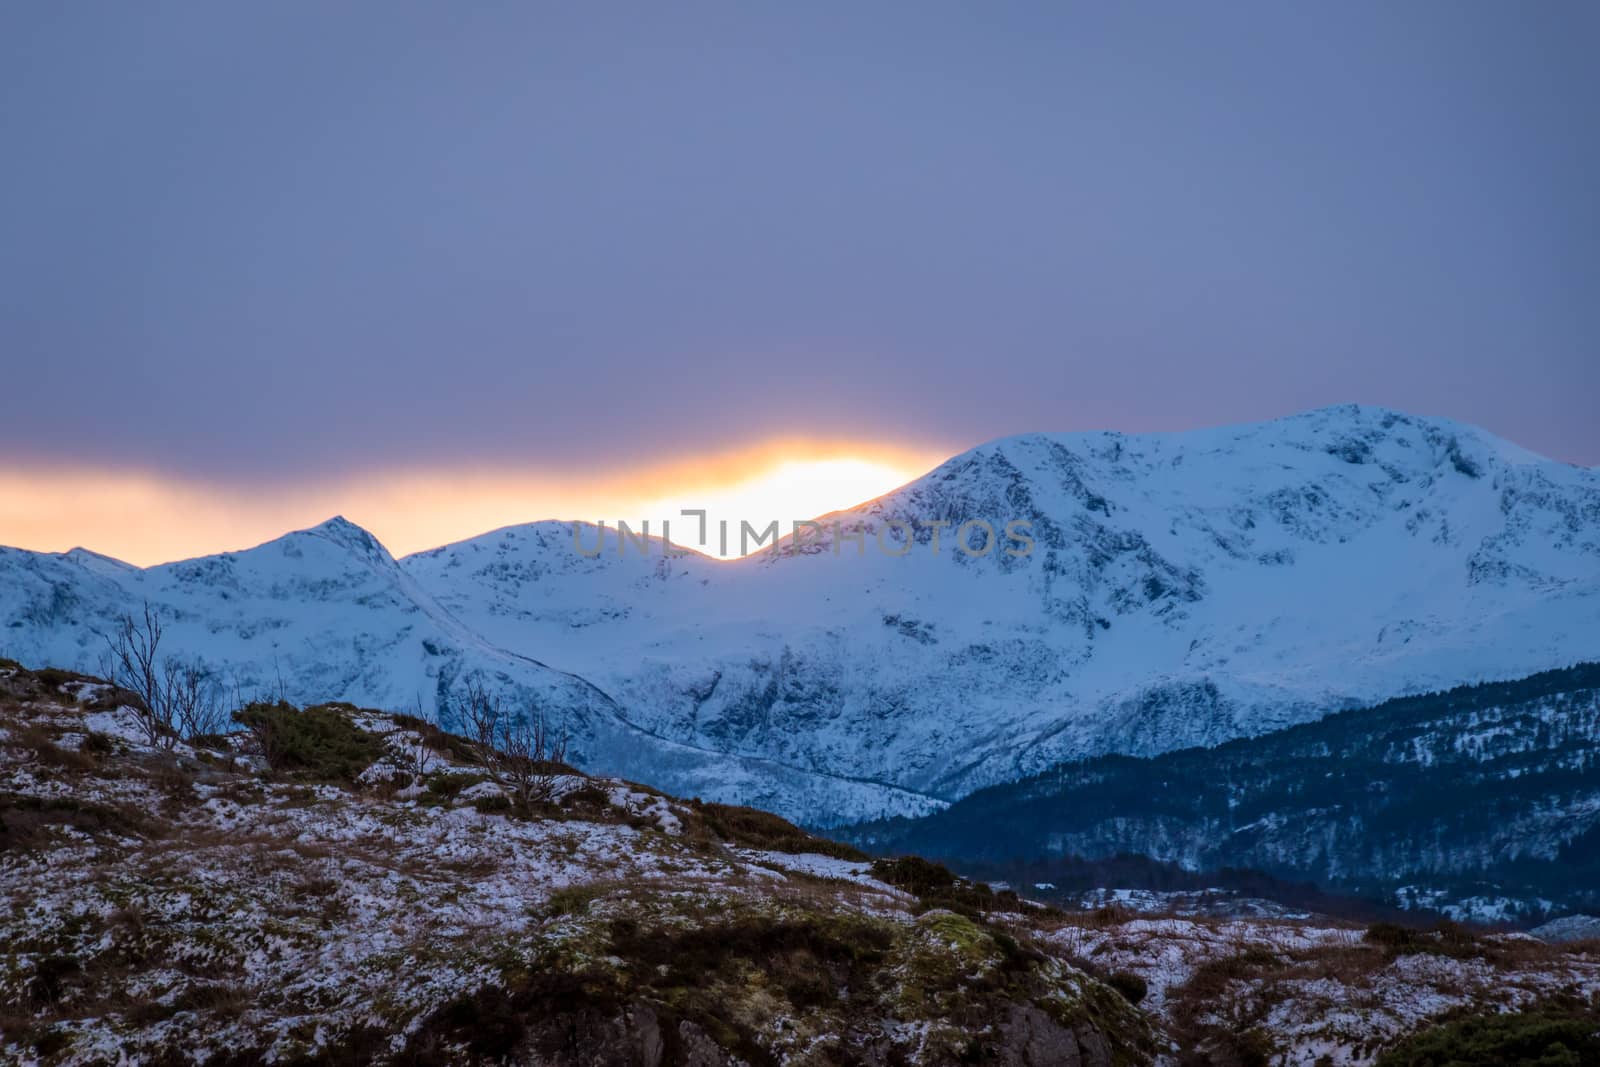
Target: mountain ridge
(1183, 589)
(1510, 449)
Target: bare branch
(131, 663)
(194, 698)
(414, 757)
(481, 717)
(520, 751)
(530, 757)
(176, 698)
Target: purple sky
(244, 241)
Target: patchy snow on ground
(1217, 903)
(819, 866)
(318, 885)
(1318, 992)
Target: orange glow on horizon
(145, 518)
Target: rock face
(1182, 589)
(1033, 1039)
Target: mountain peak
(1340, 429)
(90, 558)
(346, 534)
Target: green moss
(957, 931)
(937, 965)
(733, 967)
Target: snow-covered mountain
(328, 613)
(1182, 589)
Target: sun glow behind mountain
(792, 490)
(146, 518)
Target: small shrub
(314, 888)
(50, 754)
(448, 785)
(1111, 915)
(319, 743)
(98, 744)
(1015, 955)
(173, 779)
(573, 900)
(915, 875)
(218, 743)
(47, 1041)
(936, 886)
(587, 798)
(498, 804)
(1392, 936)
(1190, 1005)
(130, 918)
(1555, 1035)
(754, 828)
(53, 678)
(1246, 1048)
(455, 746)
(1445, 939)
(111, 697)
(49, 978)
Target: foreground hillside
(1182, 589)
(1481, 801)
(344, 886)
(376, 898)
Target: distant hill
(1482, 801)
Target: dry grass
(753, 828)
(39, 740)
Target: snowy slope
(1185, 588)
(327, 614)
